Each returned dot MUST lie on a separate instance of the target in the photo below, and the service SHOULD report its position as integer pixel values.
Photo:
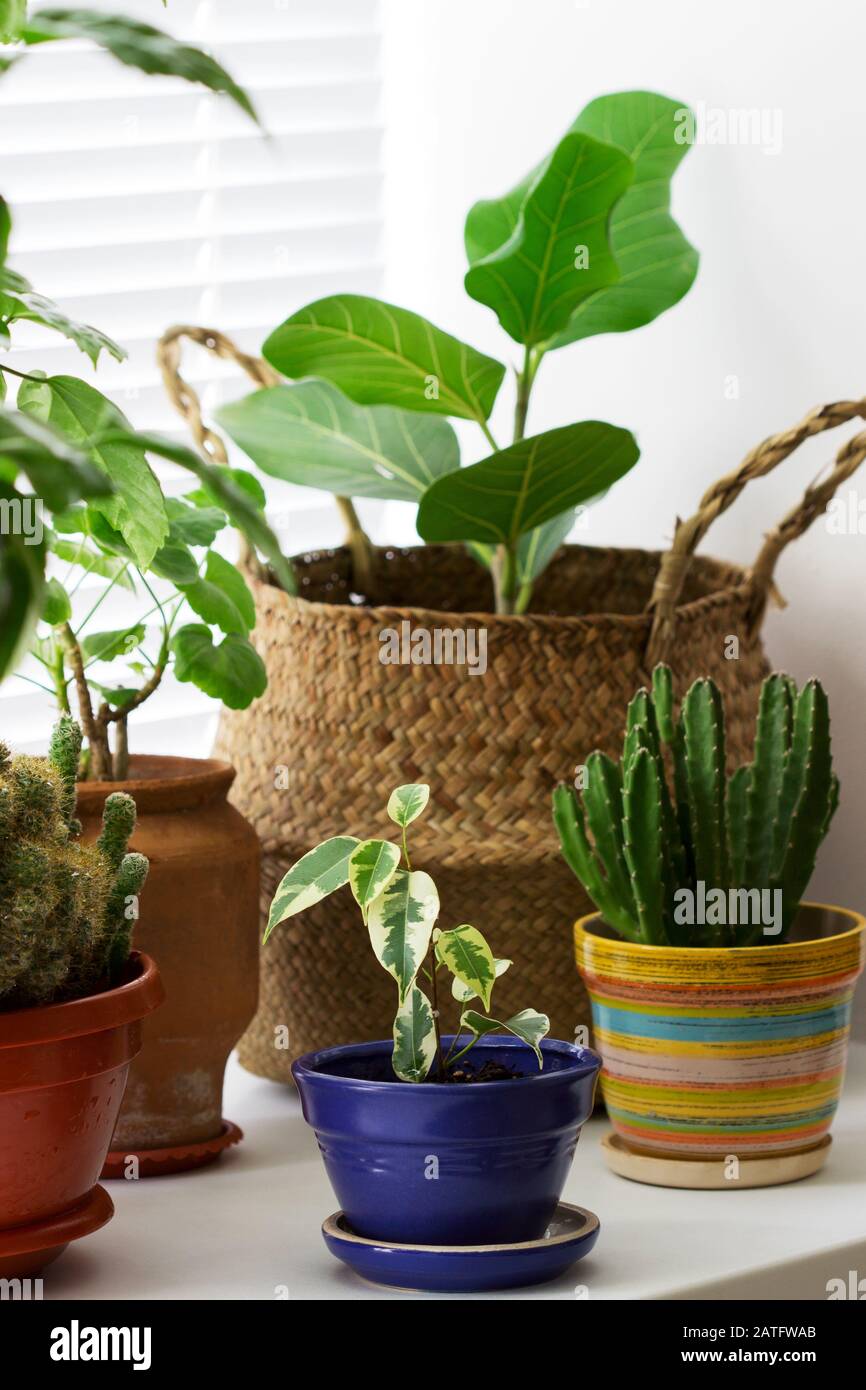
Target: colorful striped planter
(732, 1051)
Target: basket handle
(760, 461)
(185, 400)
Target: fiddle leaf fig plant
(400, 907)
(584, 244)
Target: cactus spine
(65, 907)
(635, 837)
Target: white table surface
(248, 1227)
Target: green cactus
(667, 817)
(66, 909)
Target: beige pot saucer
(709, 1174)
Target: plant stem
(485, 429)
(30, 681)
(508, 601)
(524, 391)
(102, 597)
(120, 766)
(434, 985)
(25, 376)
(360, 548)
(504, 569)
(464, 1050)
(95, 731)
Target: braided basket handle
(185, 400)
(762, 460)
(183, 396)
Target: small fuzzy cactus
(65, 907)
(644, 843)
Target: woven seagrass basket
(347, 729)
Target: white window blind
(139, 202)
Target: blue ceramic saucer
(466, 1268)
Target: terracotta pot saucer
(25, 1250)
(157, 1163)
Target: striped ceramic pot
(709, 1052)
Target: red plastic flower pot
(63, 1071)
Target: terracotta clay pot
(199, 919)
(63, 1069)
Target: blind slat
(141, 202)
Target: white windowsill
(250, 1224)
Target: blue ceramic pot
(448, 1165)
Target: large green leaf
(310, 433)
(22, 579)
(136, 44)
(236, 500)
(414, 1037)
(400, 922)
(136, 508)
(19, 300)
(380, 354)
(406, 803)
(559, 250)
(320, 872)
(522, 487)
(657, 264)
(222, 596)
(59, 471)
(371, 868)
(528, 1025)
(469, 958)
(232, 673)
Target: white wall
(478, 90)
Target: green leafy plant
(665, 826)
(585, 244)
(399, 906)
(67, 909)
(131, 41)
(94, 502)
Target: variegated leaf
(463, 993)
(469, 958)
(400, 922)
(372, 865)
(414, 1037)
(406, 803)
(322, 871)
(528, 1025)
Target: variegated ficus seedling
(400, 907)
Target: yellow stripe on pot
(662, 1047)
